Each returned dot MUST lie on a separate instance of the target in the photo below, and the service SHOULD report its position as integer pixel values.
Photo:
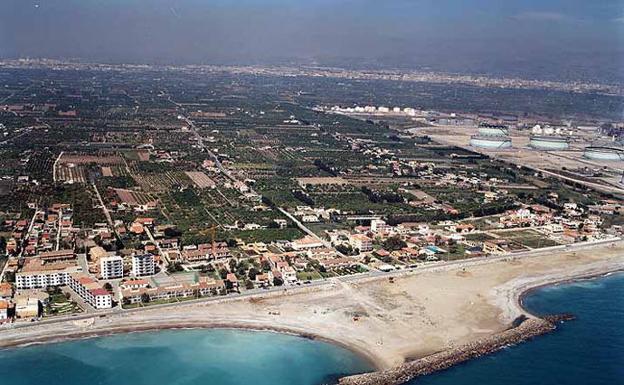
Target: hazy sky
(547, 38)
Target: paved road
(227, 173)
(328, 282)
(32, 223)
(109, 219)
(157, 244)
(55, 165)
(215, 159)
(58, 230)
(304, 228)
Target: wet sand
(421, 313)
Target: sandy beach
(420, 313)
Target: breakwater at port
(526, 329)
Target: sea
(586, 351)
(589, 350)
(181, 357)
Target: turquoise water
(587, 351)
(181, 357)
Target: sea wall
(528, 329)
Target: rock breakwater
(528, 329)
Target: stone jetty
(528, 329)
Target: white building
(37, 274)
(281, 223)
(306, 243)
(289, 274)
(379, 226)
(309, 218)
(134, 284)
(554, 228)
(91, 291)
(111, 267)
(361, 242)
(143, 264)
(4, 310)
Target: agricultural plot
(90, 159)
(107, 171)
(352, 200)
(195, 210)
(40, 164)
(267, 235)
(478, 237)
(200, 179)
(253, 170)
(133, 198)
(73, 168)
(162, 182)
(71, 173)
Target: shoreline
(437, 362)
(493, 292)
(527, 292)
(366, 356)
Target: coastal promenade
(418, 313)
(328, 283)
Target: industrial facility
(604, 153)
(491, 136)
(549, 138)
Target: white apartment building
(289, 274)
(143, 264)
(361, 242)
(379, 226)
(91, 291)
(111, 267)
(37, 274)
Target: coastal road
(324, 284)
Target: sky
(558, 39)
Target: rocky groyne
(527, 329)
